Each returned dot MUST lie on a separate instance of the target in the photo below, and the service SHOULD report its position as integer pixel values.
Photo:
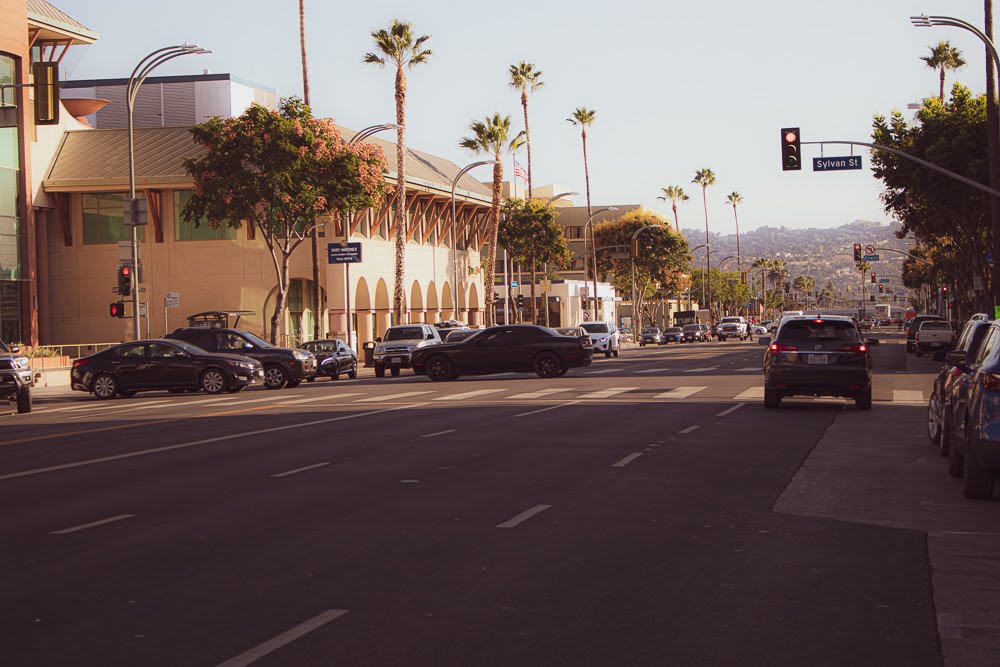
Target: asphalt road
(620, 515)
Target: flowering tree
(283, 173)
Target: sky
(676, 86)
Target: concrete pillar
(364, 331)
(383, 320)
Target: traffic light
(873, 277)
(881, 289)
(520, 301)
(857, 252)
(117, 309)
(124, 280)
(944, 290)
(791, 158)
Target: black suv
(15, 378)
(283, 367)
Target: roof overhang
(48, 25)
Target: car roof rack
(217, 319)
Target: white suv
(605, 337)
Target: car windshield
(806, 330)
(404, 333)
(734, 320)
(935, 325)
(3, 348)
(595, 327)
(320, 346)
(672, 330)
(650, 330)
(259, 342)
(692, 327)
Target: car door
(172, 367)
(489, 352)
(965, 385)
(132, 367)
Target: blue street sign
(844, 163)
(871, 258)
(343, 253)
(513, 284)
(885, 280)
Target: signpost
(844, 163)
(343, 253)
(871, 258)
(170, 300)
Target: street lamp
(724, 260)
(632, 248)
(454, 225)
(150, 62)
(359, 136)
(593, 248)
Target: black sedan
(150, 365)
(818, 356)
(503, 349)
(672, 335)
(694, 333)
(333, 359)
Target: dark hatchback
(503, 349)
(150, 365)
(283, 367)
(333, 359)
(812, 356)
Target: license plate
(396, 360)
(817, 359)
(935, 344)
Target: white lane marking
(681, 392)
(625, 461)
(653, 370)
(144, 406)
(751, 393)
(298, 470)
(689, 429)
(195, 443)
(279, 398)
(541, 393)
(95, 408)
(748, 369)
(287, 637)
(224, 399)
(701, 370)
(608, 393)
(431, 435)
(390, 397)
(730, 410)
(535, 412)
(524, 516)
(468, 394)
(92, 524)
(331, 397)
(907, 396)
(604, 370)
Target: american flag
(519, 172)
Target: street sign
(135, 211)
(545, 286)
(977, 283)
(620, 254)
(844, 163)
(172, 300)
(885, 280)
(586, 315)
(869, 249)
(871, 258)
(142, 309)
(343, 253)
(584, 292)
(513, 284)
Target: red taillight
(990, 381)
(778, 347)
(79, 362)
(917, 337)
(857, 348)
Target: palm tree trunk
(534, 314)
(739, 263)
(942, 85)
(280, 298)
(527, 140)
(993, 145)
(677, 222)
(491, 240)
(708, 252)
(399, 291)
(593, 239)
(317, 300)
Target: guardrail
(73, 351)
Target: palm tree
(735, 198)
(706, 177)
(944, 57)
(584, 118)
(491, 136)
(398, 45)
(674, 193)
(317, 304)
(524, 77)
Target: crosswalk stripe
(748, 369)
(907, 396)
(752, 392)
(604, 370)
(468, 394)
(608, 393)
(329, 397)
(701, 370)
(653, 370)
(541, 393)
(681, 392)
(390, 397)
(273, 398)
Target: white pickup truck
(733, 327)
(933, 335)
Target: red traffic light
(126, 271)
(117, 309)
(791, 136)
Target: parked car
(578, 332)
(283, 367)
(502, 349)
(333, 358)
(933, 335)
(818, 356)
(151, 365)
(975, 428)
(650, 336)
(16, 378)
(733, 327)
(672, 335)
(758, 330)
(694, 333)
(604, 336)
(455, 335)
(913, 325)
(940, 406)
(399, 343)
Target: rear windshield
(672, 330)
(595, 327)
(932, 325)
(404, 333)
(692, 327)
(804, 330)
(731, 319)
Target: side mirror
(763, 340)
(872, 342)
(15, 349)
(247, 346)
(378, 339)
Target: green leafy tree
(530, 233)
(944, 57)
(281, 172)
(674, 194)
(492, 137)
(399, 46)
(525, 78)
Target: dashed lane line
(701, 370)
(92, 524)
(690, 429)
(330, 397)
(298, 470)
(551, 407)
(731, 410)
(285, 638)
(607, 393)
(390, 397)
(625, 461)
(541, 393)
(751, 393)
(653, 370)
(524, 516)
(431, 435)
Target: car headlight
(301, 356)
(379, 349)
(22, 362)
(601, 340)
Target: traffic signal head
(791, 154)
(873, 276)
(881, 289)
(944, 290)
(117, 309)
(124, 280)
(857, 252)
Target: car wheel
(956, 462)
(945, 444)
(312, 379)
(772, 399)
(863, 401)
(607, 354)
(213, 381)
(977, 481)
(292, 384)
(934, 420)
(353, 373)
(24, 400)
(105, 386)
(548, 365)
(439, 368)
(642, 345)
(918, 353)
(617, 350)
(335, 373)
(395, 371)
(722, 339)
(275, 377)
(379, 371)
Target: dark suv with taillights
(818, 356)
(283, 367)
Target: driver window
(161, 351)
(132, 352)
(230, 341)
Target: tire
(213, 381)
(335, 373)
(292, 384)
(547, 364)
(977, 481)
(642, 345)
(395, 370)
(607, 354)
(864, 401)
(105, 387)
(918, 353)
(24, 401)
(934, 421)
(617, 350)
(956, 462)
(439, 368)
(312, 379)
(275, 377)
(379, 371)
(353, 373)
(772, 399)
(945, 444)
(722, 339)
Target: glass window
(10, 310)
(404, 333)
(130, 351)
(229, 341)
(104, 219)
(989, 345)
(164, 351)
(808, 330)
(597, 327)
(203, 231)
(10, 248)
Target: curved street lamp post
(632, 250)
(454, 227)
(593, 249)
